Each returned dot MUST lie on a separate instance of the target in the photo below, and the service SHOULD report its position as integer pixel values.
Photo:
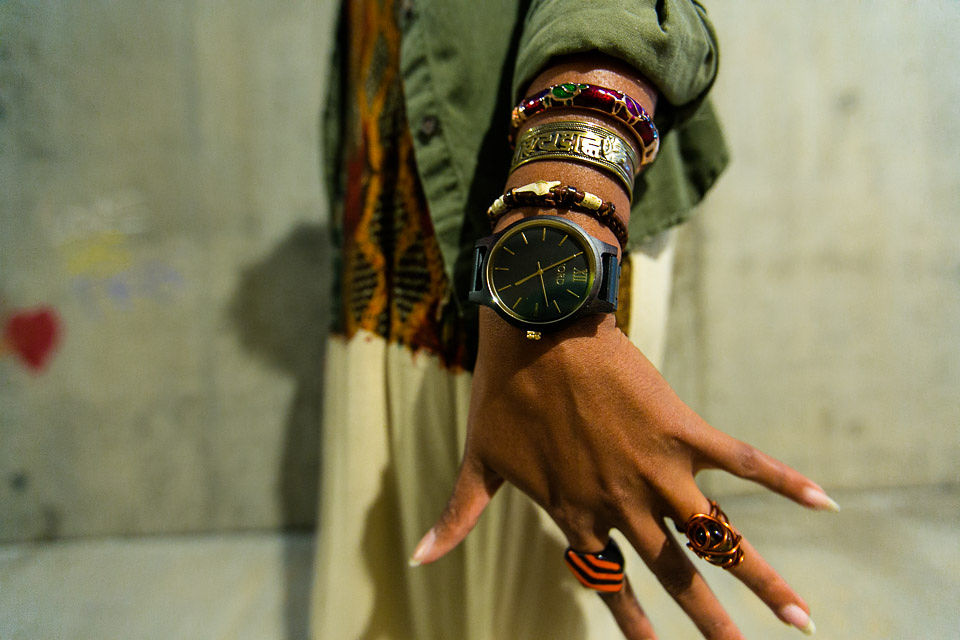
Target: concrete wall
(160, 196)
(819, 309)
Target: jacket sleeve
(670, 42)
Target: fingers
(472, 492)
(749, 463)
(628, 613)
(757, 574)
(770, 587)
(623, 604)
(661, 553)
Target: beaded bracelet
(552, 194)
(590, 96)
(578, 141)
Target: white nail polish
(798, 617)
(422, 549)
(819, 500)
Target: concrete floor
(886, 567)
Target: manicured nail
(817, 499)
(798, 617)
(422, 549)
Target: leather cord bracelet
(578, 141)
(558, 196)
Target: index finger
(746, 461)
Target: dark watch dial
(541, 271)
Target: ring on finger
(712, 538)
(601, 571)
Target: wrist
(499, 337)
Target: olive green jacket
(465, 63)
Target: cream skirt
(394, 427)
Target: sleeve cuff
(670, 43)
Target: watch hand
(541, 271)
(532, 275)
(557, 264)
(542, 285)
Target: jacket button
(406, 10)
(429, 126)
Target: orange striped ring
(602, 571)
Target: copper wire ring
(712, 538)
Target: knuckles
(748, 461)
(620, 499)
(576, 523)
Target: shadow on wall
(282, 308)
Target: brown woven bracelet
(555, 195)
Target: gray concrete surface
(238, 586)
(160, 191)
(884, 568)
(818, 307)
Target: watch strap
(610, 282)
(478, 292)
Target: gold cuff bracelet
(578, 141)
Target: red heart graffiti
(33, 335)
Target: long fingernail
(799, 618)
(422, 549)
(817, 499)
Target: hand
(587, 427)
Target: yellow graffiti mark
(100, 255)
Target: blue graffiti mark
(154, 281)
(158, 280)
(119, 291)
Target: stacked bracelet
(553, 194)
(588, 96)
(581, 142)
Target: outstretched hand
(586, 426)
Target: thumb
(472, 492)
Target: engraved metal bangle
(579, 141)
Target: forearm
(596, 69)
(593, 69)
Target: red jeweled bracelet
(589, 96)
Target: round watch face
(541, 271)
